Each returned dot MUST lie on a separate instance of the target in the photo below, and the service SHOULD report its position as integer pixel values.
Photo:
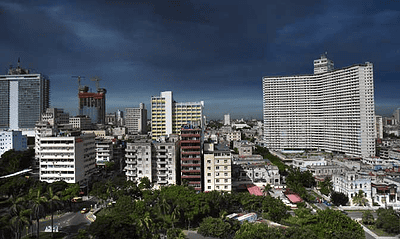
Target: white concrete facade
(331, 110)
(12, 140)
(67, 158)
(217, 168)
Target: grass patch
(379, 231)
(104, 212)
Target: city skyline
(216, 52)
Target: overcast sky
(216, 51)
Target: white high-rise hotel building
(331, 110)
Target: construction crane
(79, 80)
(97, 79)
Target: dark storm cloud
(215, 51)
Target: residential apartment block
(68, 158)
(168, 116)
(331, 110)
(217, 168)
(191, 156)
(23, 98)
(104, 152)
(156, 160)
(12, 140)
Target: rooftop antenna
(97, 79)
(79, 80)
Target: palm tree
(359, 198)
(19, 220)
(53, 200)
(18, 215)
(37, 202)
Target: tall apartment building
(23, 98)
(136, 119)
(331, 110)
(217, 168)
(168, 116)
(191, 156)
(156, 160)
(12, 140)
(66, 158)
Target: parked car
(84, 210)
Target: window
(208, 168)
(208, 161)
(209, 181)
(209, 187)
(216, 174)
(217, 167)
(217, 180)
(225, 174)
(208, 174)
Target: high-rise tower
(24, 96)
(333, 110)
(168, 116)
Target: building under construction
(92, 104)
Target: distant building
(55, 116)
(379, 126)
(331, 110)
(227, 119)
(80, 122)
(111, 119)
(66, 158)
(136, 120)
(24, 96)
(93, 104)
(217, 168)
(12, 140)
(168, 116)
(234, 136)
(396, 115)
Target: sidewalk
(90, 215)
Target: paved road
(70, 222)
(358, 214)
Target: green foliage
(145, 183)
(339, 199)
(367, 218)
(274, 160)
(217, 227)
(388, 220)
(326, 186)
(236, 150)
(359, 198)
(256, 231)
(13, 161)
(175, 233)
(326, 224)
(297, 181)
